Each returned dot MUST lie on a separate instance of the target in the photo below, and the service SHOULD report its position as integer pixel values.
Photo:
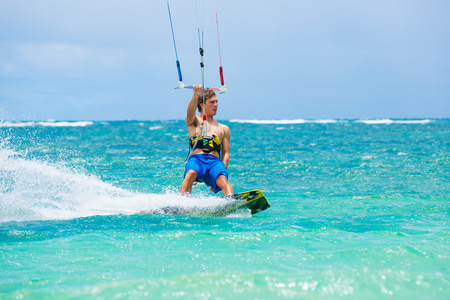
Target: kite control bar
(200, 40)
(221, 90)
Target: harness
(207, 143)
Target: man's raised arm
(191, 117)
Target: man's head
(208, 95)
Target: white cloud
(8, 68)
(55, 56)
(22, 58)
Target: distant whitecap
(47, 124)
(389, 121)
(296, 121)
(286, 121)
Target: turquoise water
(360, 210)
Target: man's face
(211, 106)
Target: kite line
(201, 50)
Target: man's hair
(208, 94)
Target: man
(206, 163)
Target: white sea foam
(18, 124)
(325, 121)
(66, 124)
(47, 124)
(330, 121)
(390, 121)
(285, 121)
(297, 121)
(39, 190)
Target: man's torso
(213, 127)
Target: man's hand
(197, 90)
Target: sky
(115, 60)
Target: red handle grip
(221, 76)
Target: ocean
(359, 210)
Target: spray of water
(31, 189)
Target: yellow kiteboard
(255, 201)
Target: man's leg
(223, 183)
(186, 186)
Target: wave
(47, 124)
(38, 190)
(285, 121)
(331, 121)
(390, 121)
(155, 127)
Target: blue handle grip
(180, 78)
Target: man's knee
(221, 180)
(191, 175)
(224, 185)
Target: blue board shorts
(208, 168)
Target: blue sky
(114, 60)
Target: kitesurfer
(210, 152)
